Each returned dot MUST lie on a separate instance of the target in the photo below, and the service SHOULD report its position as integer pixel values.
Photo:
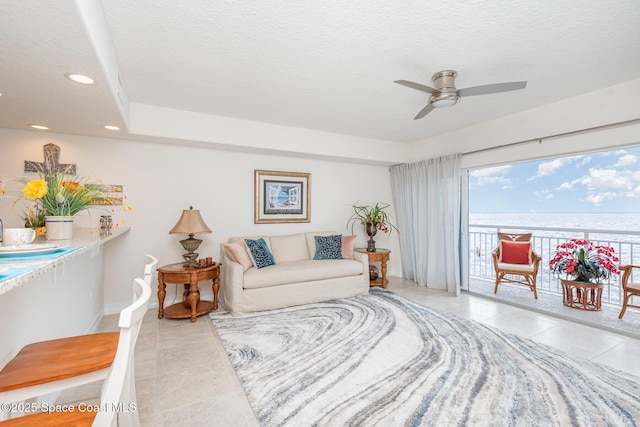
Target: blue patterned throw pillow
(328, 247)
(260, 253)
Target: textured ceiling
(324, 65)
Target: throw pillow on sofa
(347, 246)
(239, 254)
(310, 237)
(328, 247)
(259, 252)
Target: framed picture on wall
(282, 197)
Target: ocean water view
(584, 221)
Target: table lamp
(190, 223)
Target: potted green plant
(372, 218)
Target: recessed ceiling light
(79, 78)
(39, 127)
(111, 127)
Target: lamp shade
(190, 222)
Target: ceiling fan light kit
(444, 100)
(445, 84)
(445, 93)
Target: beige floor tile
(145, 364)
(200, 382)
(521, 322)
(624, 357)
(226, 409)
(146, 396)
(147, 342)
(579, 340)
(109, 323)
(177, 358)
(186, 334)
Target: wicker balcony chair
(514, 257)
(629, 289)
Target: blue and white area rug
(384, 360)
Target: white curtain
(427, 203)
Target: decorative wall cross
(51, 162)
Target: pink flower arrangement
(582, 261)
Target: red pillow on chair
(515, 252)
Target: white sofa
(296, 278)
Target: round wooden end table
(191, 305)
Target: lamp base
(190, 245)
(190, 259)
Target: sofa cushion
(300, 271)
(241, 239)
(328, 247)
(347, 246)
(239, 254)
(311, 240)
(292, 247)
(259, 252)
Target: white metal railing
(483, 240)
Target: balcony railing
(483, 240)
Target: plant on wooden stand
(583, 265)
(582, 261)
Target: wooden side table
(191, 305)
(381, 256)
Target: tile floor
(184, 378)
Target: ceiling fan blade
(426, 110)
(493, 88)
(417, 86)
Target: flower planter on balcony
(582, 295)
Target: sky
(605, 182)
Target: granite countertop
(18, 272)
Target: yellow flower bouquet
(54, 193)
(60, 196)
(56, 196)
(58, 193)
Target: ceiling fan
(445, 93)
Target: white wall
(151, 122)
(160, 180)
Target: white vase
(59, 227)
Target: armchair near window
(514, 256)
(629, 289)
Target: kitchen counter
(85, 239)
